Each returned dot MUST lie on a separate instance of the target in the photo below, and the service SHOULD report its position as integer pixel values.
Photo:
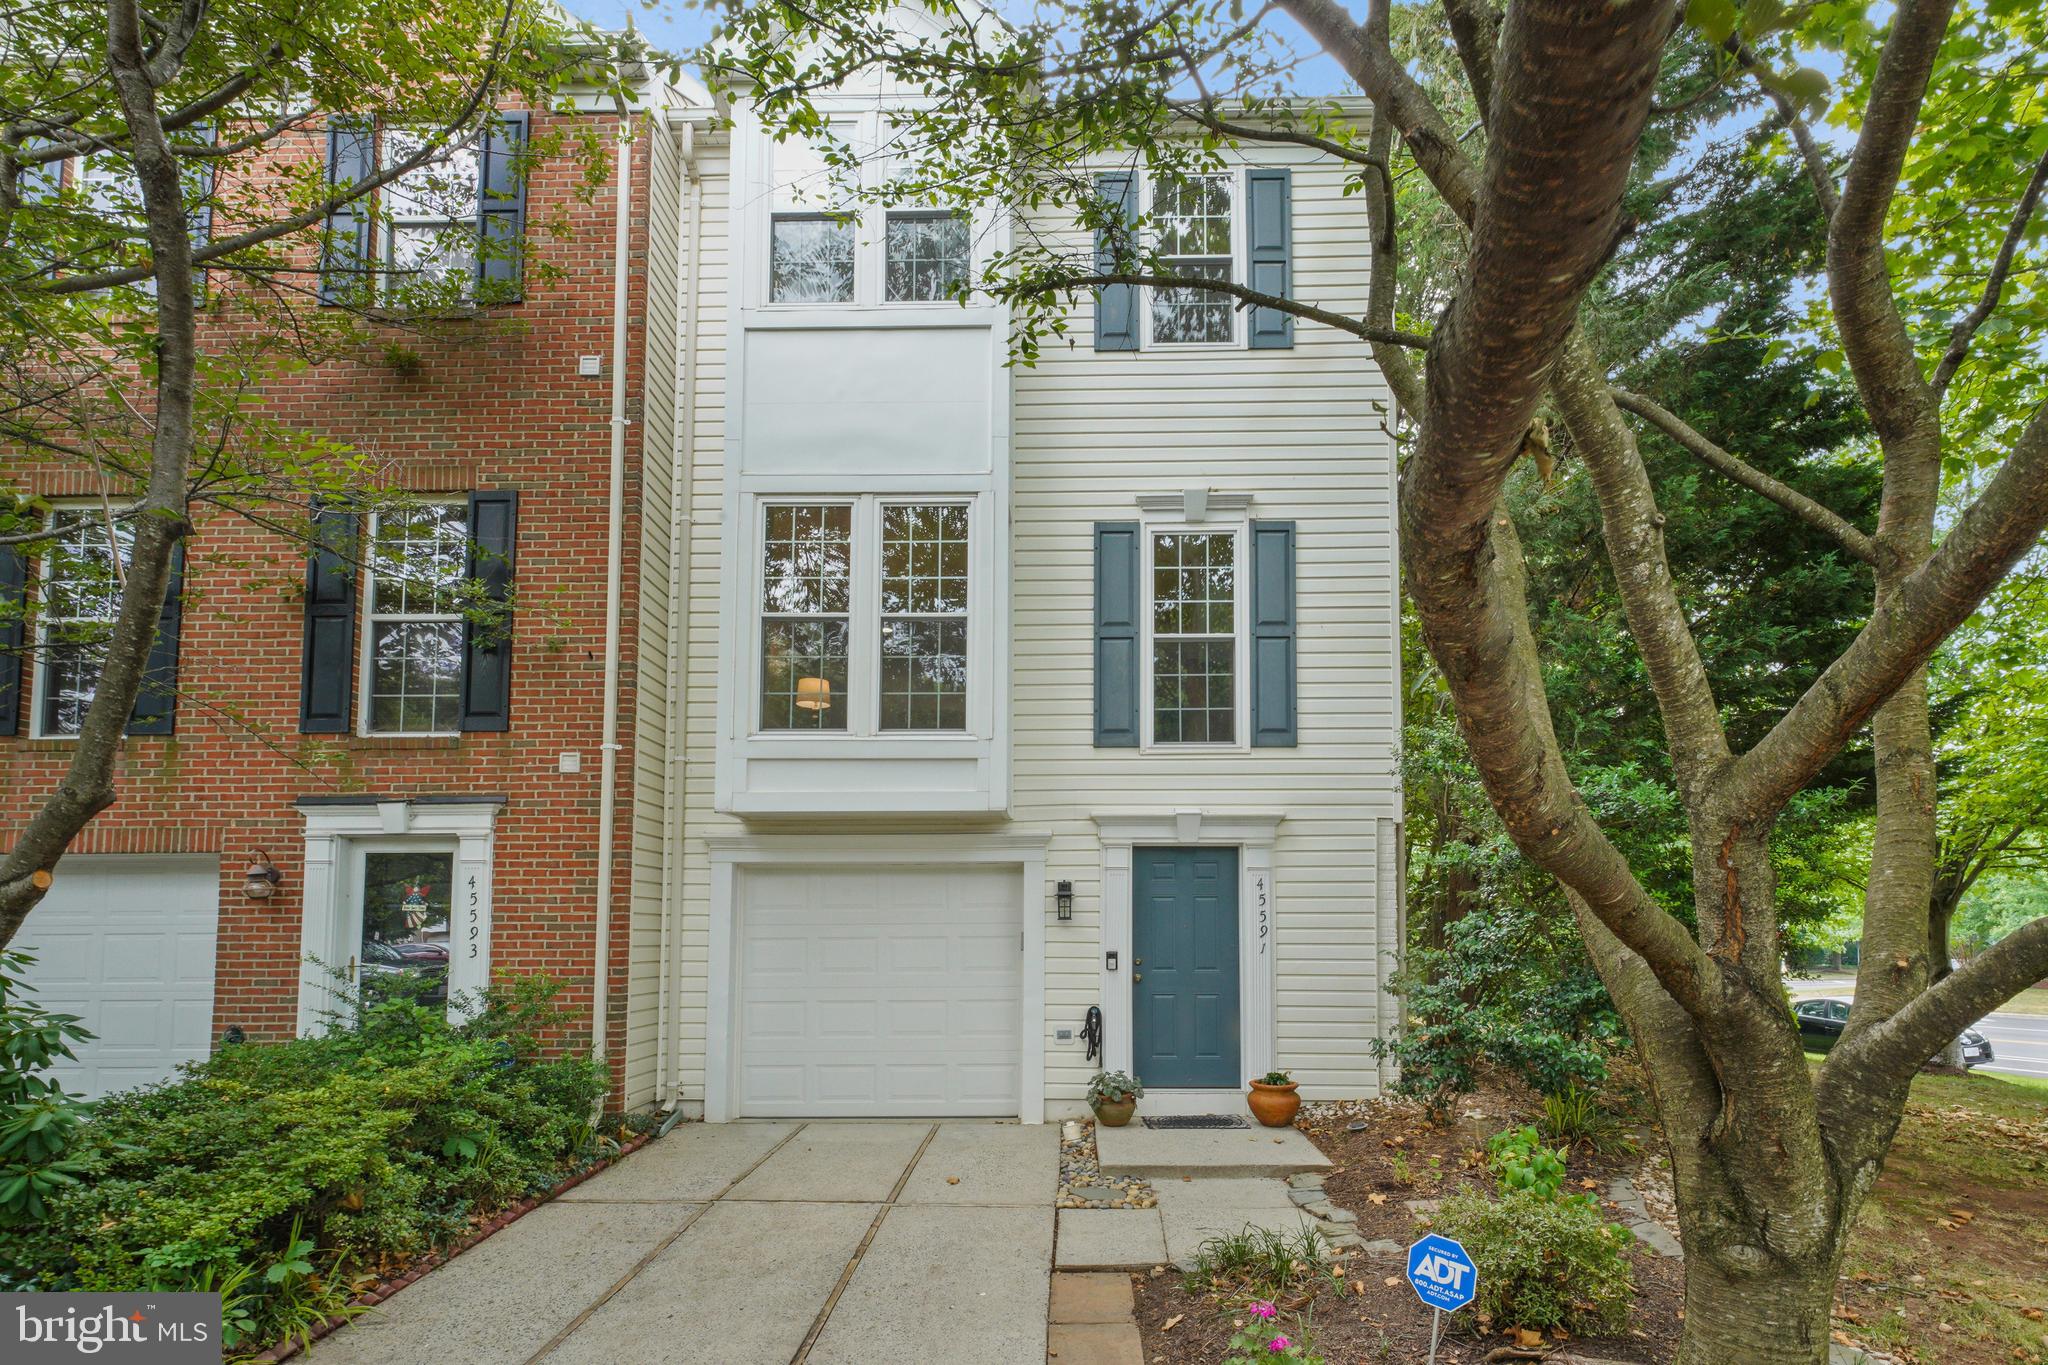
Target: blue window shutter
(487, 645)
(327, 688)
(201, 214)
(1269, 221)
(501, 208)
(1273, 676)
(13, 600)
(156, 701)
(1116, 635)
(346, 255)
(1116, 305)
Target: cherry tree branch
(1994, 284)
(1821, 518)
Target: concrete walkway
(756, 1244)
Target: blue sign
(1443, 1275)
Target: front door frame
(1253, 834)
(330, 932)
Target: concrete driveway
(756, 1244)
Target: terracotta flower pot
(1274, 1105)
(1115, 1113)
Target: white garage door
(879, 991)
(127, 944)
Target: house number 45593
(474, 928)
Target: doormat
(1196, 1121)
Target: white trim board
(334, 835)
(1253, 834)
(729, 855)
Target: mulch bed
(1396, 1158)
(497, 1222)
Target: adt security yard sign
(1444, 1278)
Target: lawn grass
(1949, 1264)
(2034, 1002)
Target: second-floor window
(1194, 627)
(1195, 219)
(925, 256)
(865, 616)
(81, 595)
(412, 660)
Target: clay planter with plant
(1114, 1095)
(1273, 1099)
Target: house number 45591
(1265, 915)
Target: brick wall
(493, 403)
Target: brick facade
(493, 403)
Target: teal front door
(1184, 1032)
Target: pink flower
(1262, 1309)
(1278, 1344)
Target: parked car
(422, 952)
(383, 964)
(1821, 1022)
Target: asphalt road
(2019, 1043)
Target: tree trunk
(1776, 1316)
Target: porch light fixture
(263, 878)
(1063, 897)
(813, 694)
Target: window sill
(402, 742)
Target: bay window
(864, 607)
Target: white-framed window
(80, 595)
(811, 246)
(822, 250)
(926, 255)
(427, 236)
(1195, 222)
(1195, 652)
(412, 644)
(864, 608)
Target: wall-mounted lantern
(263, 878)
(1063, 897)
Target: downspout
(681, 466)
(614, 580)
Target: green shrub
(37, 1119)
(1574, 1116)
(1521, 1163)
(1544, 1262)
(290, 1170)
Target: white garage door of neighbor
(127, 944)
(879, 991)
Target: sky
(681, 27)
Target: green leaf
(1715, 19)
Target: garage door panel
(905, 1000)
(129, 945)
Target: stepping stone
(1174, 1152)
(1305, 1180)
(1093, 1343)
(1197, 1210)
(1110, 1239)
(1657, 1238)
(1306, 1198)
(1091, 1298)
(1384, 1248)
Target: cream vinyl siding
(699, 741)
(654, 823)
(1305, 432)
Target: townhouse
(978, 726)
(334, 772)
